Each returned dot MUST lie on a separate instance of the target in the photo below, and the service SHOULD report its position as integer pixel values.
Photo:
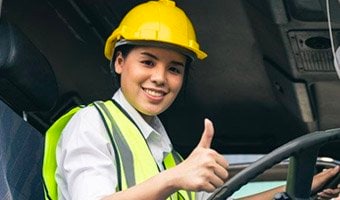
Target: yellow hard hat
(158, 22)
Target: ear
(119, 63)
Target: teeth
(154, 93)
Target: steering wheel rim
(303, 152)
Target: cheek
(131, 74)
(177, 84)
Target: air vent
(312, 51)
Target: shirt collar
(155, 127)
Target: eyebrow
(156, 58)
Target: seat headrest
(27, 81)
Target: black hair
(124, 50)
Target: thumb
(207, 135)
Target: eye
(148, 63)
(176, 69)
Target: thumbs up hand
(204, 169)
(207, 135)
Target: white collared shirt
(85, 157)
(156, 136)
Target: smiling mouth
(154, 93)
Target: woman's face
(151, 78)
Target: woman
(119, 149)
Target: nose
(158, 75)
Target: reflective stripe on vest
(135, 158)
(130, 150)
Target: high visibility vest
(134, 159)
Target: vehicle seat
(21, 150)
(27, 83)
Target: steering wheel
(303, 152)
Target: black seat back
(21, 150)
(27, 82)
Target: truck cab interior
(269, 77)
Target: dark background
(268, 78)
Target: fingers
(221, 165)
(216, 169)
(212, 165)
(330, 173)
(221, 173)
(213, 178)
(207, 135)
(328, 193)
(333, 171)
(216, 182)
(221, 161)
(324, 176)
(321, 179)
(336, 169)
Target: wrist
(171, 180)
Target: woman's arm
(203, 170)
(318, 181)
